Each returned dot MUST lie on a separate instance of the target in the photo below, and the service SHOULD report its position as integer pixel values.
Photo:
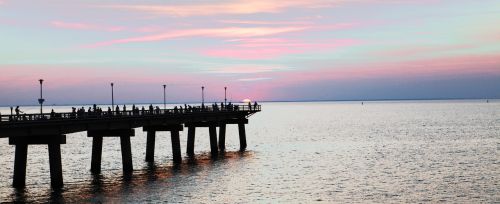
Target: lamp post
(41, 100)
(164, 97)
(202, 96)
(112, 97)
(225, 97)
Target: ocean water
(315, 152)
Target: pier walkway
(51, 129)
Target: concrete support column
(21, 155)
(56, 177)
(176, 146)
(213, 140)
(222, 137)
(126, 153)
(150, 146)
(20, 159)
(243, 137)
(190, 141)
(126, 148)
(95, 166)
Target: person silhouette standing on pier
(18, 111)
(10, 116)
(151, 109)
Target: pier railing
(105, 114)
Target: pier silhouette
(51, 129)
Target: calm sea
(325, 152)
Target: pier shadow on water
(151, 182)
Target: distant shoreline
(278, 101)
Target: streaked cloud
(229, 32)
(255, 79)
(224, 8)
(247, 22)
(85, 26)
(247, 69)
(271, 48)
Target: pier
(51, 129)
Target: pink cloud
(249, 54)
(423, 50)
(487, 64)
(85, 26)
(229, 7)
(273, 48)
(266, 22)
(230, 32)
(444, 67)
(247, 69)
(255, 79)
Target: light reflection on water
(298, 152)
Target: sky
(263, 50)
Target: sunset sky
(260, 49)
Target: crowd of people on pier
(97, 112)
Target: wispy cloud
(247, 22)
(224, 8)
(85, 26)
(247, 69)
(255, 79)
(269, 48)
(230, 32)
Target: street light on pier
(202, 96)
(112, 97)
(164, 97)
(225, 98)
(41, 100)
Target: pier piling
(174, 137)
(20, 161)
(126, 148)
(213, 140)
(243, 137)
(222, 137)
(176, 146)
(95, 166)
(56, 177)
(190, 141)
(150, 146)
